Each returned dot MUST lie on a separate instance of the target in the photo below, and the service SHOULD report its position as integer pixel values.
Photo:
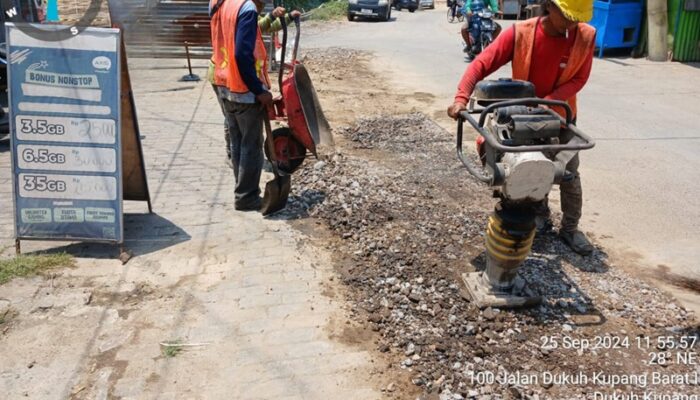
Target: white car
(427, 4)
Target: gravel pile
(409, 133)
(407, 221)
(332, 63)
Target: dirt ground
(404, 221)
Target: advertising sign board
(66, 142)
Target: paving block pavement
(237, 290)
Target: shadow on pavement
(373, 20)
(143, 234)
(692, 64)
(4, 145)
(148, 233)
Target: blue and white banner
(66, 141)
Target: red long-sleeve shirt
(550, 55)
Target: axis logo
(27, 14)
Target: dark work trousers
(571, 195)
(227, 138)
(244, 125)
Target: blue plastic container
(617, 24)
(52, 11)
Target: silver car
(427, 4)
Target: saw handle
(283, 21)
(295, 52)
(297, 24)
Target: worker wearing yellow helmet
(555, 53)
(575, 10)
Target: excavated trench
(404, 221)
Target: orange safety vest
(223, 41)
(525, 33)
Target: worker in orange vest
(555, 53)
(238, 72)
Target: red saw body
(299, 107)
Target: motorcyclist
(453, 5)
(470, 32)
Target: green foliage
(301, 5)
(335, 9)
(171, 349)
(326, 9)
(32, 264)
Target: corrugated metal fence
(684, 24)
(161, 28)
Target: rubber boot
(577, 241)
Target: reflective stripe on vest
(525, 33)
(223, 41)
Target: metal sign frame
(117, 146)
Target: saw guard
(298, 102)
(289, 152)
(304, 113)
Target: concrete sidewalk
(250, 301)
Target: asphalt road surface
(641, 189)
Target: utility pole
(657, 17)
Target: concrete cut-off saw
(307, 129)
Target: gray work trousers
(243, 127)
(571, 196)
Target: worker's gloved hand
(454, 110)
(265, 99)
(295, 14)
(278, 12)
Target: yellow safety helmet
(576, 10)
